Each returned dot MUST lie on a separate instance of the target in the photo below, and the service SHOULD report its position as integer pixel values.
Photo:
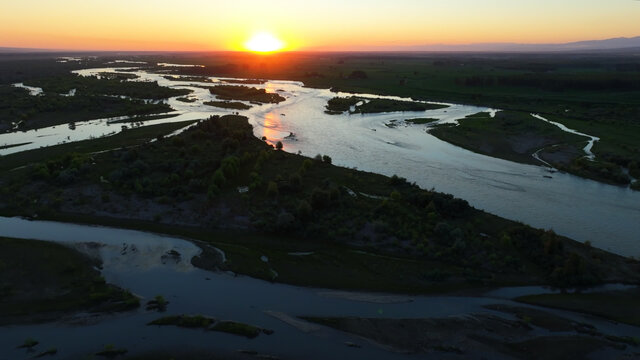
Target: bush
(177, 141)
(67, 176)
(230, 145)
(306, 165)
(285, 220)
(219, 179)
(634, 169)
(40, 172)
(304, 209)
(395, 180)
(256, 181)
(229, 166)
(279, 145)
(295, 180)
(326, 159)
(213, 192)
(272, 189)
(320, 198)
(442, 230)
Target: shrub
(177, 141)
(285, 220)
(320, 198)
(279, 145)
(396, 180)
(230, 144)
(272, 189)
(306, 165)
(326, 159)
(195, 149)
(304, 209)
(442, 230)
(213, 192)
(295, 180)
(229, 166)
(219, 179)
(196, 185)
(67, 176)
(256, 181)
(334, 193)
(40, 172)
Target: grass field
(509, 135)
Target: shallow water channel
(134, 260)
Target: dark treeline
(91, 85)
(289, 195)
(17, 106)
(581, 82)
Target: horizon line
(380, 48)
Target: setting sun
(264, 43)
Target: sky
(203, 25)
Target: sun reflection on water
(272, 128)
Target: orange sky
(326, 25)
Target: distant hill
(621, 43)
(589, 45)
(12, 50)
(608, 44)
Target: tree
(304, 209)
(272, 189)
(218, 178)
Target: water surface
(608, 216)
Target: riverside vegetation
(20, 110)
(435, 241)
(386, 233)
(596, 93)
(41, 281)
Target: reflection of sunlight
(270, 88)
(271, 127)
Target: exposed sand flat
(301, 325)
(367, 297)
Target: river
(134, 260)
(608, 216)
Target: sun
(264, 42)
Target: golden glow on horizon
(188, 25)
(264, 42)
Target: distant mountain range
(590, 45)
(12, 50)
